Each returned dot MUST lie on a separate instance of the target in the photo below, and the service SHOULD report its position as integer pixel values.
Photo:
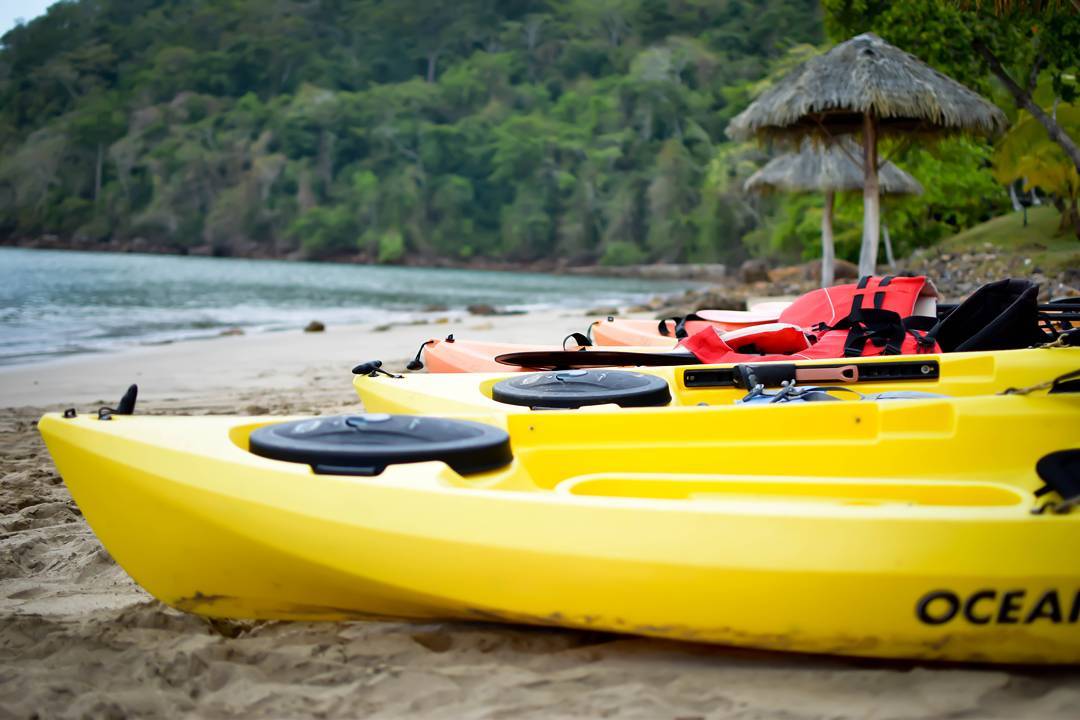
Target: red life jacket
(875, 316)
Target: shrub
(621, 252)
(391, 247)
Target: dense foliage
(1037, 45)
(1025, 55)
(411, 130)
(518, 130)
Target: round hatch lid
(576, 388)
(367, 444)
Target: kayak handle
(126, 406)
(844, 374)
(583, 341)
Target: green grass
(1040, 240)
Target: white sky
(12, 10)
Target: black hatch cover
(367, 444)
(576, 388)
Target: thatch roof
(866, 73)
(819, 167)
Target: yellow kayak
(907, 528)
(953, 374)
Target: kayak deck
(450, 356)
(879, 529)
(953, 374)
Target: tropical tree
(1026, 153)
(1018, 41)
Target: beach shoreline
(204, 369)
(79, 638)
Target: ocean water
(58, 302)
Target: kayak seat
(1001, 315)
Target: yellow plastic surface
(961, 374)
(820, 527)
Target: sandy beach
(78, 638)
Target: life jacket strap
(875, 325)
(921, 329)
(680, 325)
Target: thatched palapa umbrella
(867, 86)
(830, 169)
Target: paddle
(568, 359)
(744, 375)
(775, 374)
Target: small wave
(61, 303)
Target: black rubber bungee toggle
(371, 368)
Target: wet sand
(78, 638)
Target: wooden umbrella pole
(828, 254)
(871, 196)
(890, 259)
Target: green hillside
(1041, 241)
(385, 131)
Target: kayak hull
(632, 332)
(959, 374)
(615, 526)
(470, 356)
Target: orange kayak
(657, 333)
(456, 356)
(626, 335)
(633, 331)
